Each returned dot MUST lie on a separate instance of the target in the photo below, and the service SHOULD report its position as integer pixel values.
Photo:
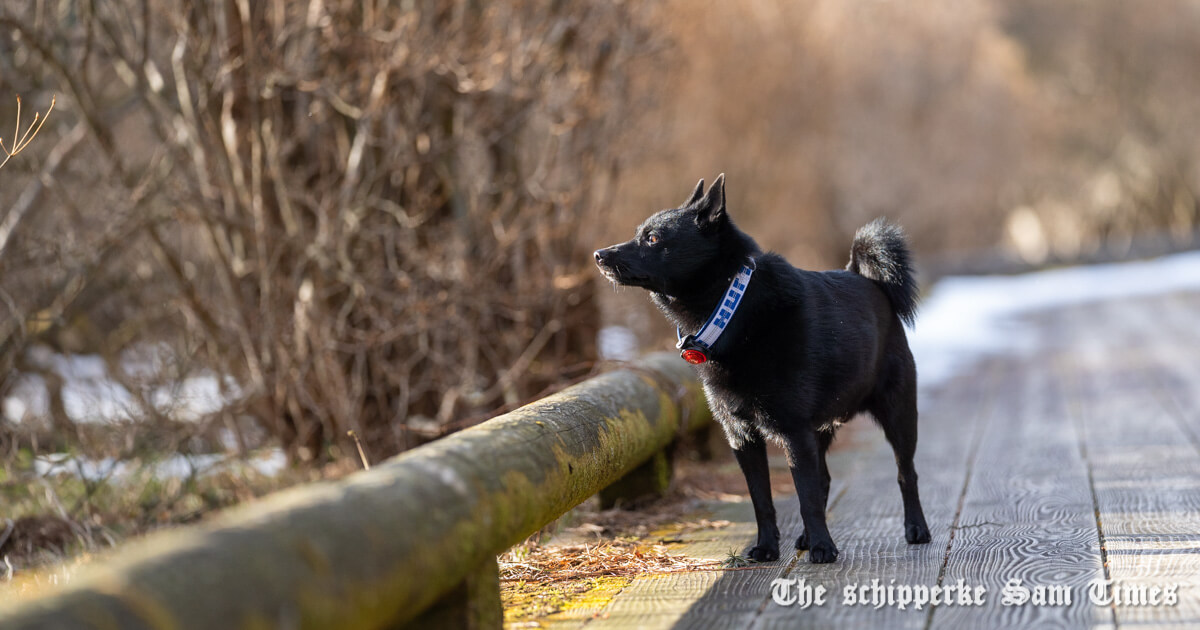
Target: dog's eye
(652, 239)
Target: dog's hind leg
(824, 438)
(750, 450)
(897, 415)
(805, 457)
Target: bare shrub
(369, 213)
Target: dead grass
(610, 558)
(541, 582)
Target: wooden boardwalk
(1058, 464)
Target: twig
(21, 141)
(361, 454)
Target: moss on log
(380, 546)
(650, 479)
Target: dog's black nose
(601, 255)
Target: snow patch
(965, 318)
(268, 462)
(618, 343)
(91, 394)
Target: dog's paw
(802, 542)
(916, 533)
(761, 553)
(823, 553)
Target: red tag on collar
(695, 357)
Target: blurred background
(254, 234)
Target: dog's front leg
(805, 459)
(750, 449)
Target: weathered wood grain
(731, 598)
(1027, 514)
(1145, 463)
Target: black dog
(784, 353)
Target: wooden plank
(675, 595)
(1179, 386)
(1145, 466)
(724, 599)
(1027, 514)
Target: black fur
(805, 351)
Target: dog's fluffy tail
(881, 254)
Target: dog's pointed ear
(712, 206)
(696, 195)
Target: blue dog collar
(695, 348)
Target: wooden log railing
(410, 543)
